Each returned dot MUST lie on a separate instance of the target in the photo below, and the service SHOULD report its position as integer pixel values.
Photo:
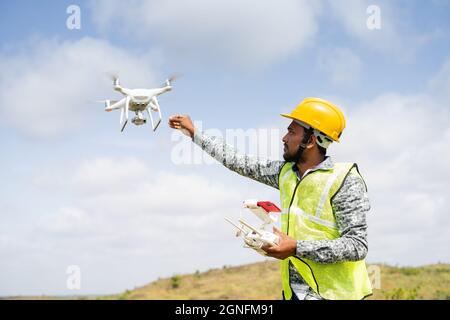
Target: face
(292, 141)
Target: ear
(311, 142)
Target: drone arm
(118, 87)
(111, 105)
(122, 90)
(166, 88)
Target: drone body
(138, 101)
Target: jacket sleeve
(350, 206)
(262, 170)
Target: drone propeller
(171, 79)
(114, 77)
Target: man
(323, 236)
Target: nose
(284, 139)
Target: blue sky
(78, 192)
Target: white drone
(138, 101)
(256, 238)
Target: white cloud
(395, 37)
(251, 33)
(124, 184)
(400, 143)
(49, 87)
(68, 222)
(255, 33)
(341, 66)
(119, 214)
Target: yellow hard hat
(321, 115)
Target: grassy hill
(262, 281)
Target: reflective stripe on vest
(308, 215)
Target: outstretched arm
(262, 170)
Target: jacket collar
(326, 164)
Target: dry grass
(224, 283)
(262, 281)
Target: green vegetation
(123, 296)
(401, 294)
(407, 283)
(175, 281)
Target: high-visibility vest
(308, 215)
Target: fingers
(270, 249)
(174, 125)
(177, 117)
(175, 121)
(277, 231)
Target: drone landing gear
(124, 114)
(154, 106)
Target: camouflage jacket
(350, 205)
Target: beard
(288, 156)
(292, 156)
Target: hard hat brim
(285, 115)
